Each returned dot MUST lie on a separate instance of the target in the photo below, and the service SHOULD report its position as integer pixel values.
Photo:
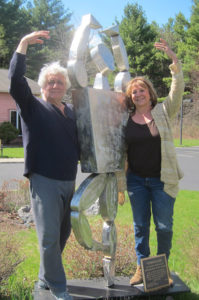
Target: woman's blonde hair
(145, 83)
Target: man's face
(55, 88)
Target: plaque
(155, 272)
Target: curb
(11, 160)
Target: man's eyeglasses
(53, 82)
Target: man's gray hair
(52, 68)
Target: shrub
(9, 256)
(14, 194)
(8, 132)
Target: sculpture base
(95, 289)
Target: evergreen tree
(3, 47)
(49, 15)
(19, 18)
(14, 22)
(138, 37)
(191, 57)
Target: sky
(105, 11)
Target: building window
(15, 120)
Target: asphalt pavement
(11, 169)
(188, 158)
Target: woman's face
(140, 96)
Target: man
(51, 156)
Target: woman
(153, 172)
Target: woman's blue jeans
(146, 195)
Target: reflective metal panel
(108, 200)
(77, 73)
(80, 41)
(109, 270)
(93, 187)
(82, 229)
(77, 54)
(101, 116)
(119, 50)
(103, 58)
(120, 54)
(111, 31)
(109, 238)
(101, 82)
(121, 80)
(88, 192)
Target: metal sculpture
(101, 116)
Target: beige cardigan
(162, 113)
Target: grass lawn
(186, 143)
(13, 152)
(80, 263)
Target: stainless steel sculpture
(101, 116)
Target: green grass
(184, 259)
(13, 153)
(186, 143)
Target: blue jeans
(147, 194)
(51, 208)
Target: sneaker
(61, 296)
(137, 277)
(42, 285)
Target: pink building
(8, 110)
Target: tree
(191, 56)
(14, 24)
(180, 27)
(3, 47)
(138, 37)
(49, 15)
(193, 30)
(27, 17)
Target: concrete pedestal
(95, 289)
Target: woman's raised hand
(163, 46)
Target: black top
(144, 148)
(49, 137)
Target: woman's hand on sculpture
(121, 198)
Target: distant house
(8, 110)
